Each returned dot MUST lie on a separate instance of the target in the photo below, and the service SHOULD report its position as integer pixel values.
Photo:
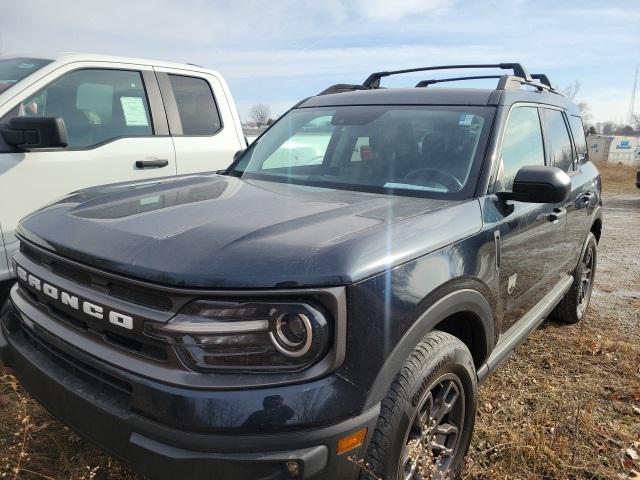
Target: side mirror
(28, 133)
(539, 184)
(238, 153)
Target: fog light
(293, 468)
(351, 441)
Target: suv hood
(223, 232)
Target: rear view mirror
(539, 184)
(29, 133)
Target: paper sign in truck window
(135, 114)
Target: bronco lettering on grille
(72, 301)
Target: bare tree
(571, 90)
(260, 113)
(608, 127)
(585, 112)
(635, 122)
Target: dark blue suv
(326, 307)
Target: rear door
(583, 192)
(531, 234)
(117, 132)
(200, 120)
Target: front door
(531, 235)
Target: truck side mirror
(539, 184)
(238, 153)
(30, 133)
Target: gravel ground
(617, 284)
(566, 405)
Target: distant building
(614, 149)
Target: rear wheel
(573, 306)
(427, 418)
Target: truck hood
(224, 232)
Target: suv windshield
(405, 150)
(13, 70)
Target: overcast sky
(280, 51)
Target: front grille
(101, 382)
(130, 293)
(133, 345)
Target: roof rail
(542, 78)
(341, 87)
(373, 81)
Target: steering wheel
(450, 180)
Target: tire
(440, 366)
(574, 304)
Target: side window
(561, 148)
(522, 144)
(96, 105)
(577, 128)
(196, 105)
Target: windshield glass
(13, 70)
(405, 150)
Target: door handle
(154, 163)
(557, 214)
(586, 197)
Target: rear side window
(522, 145)
(561, 149)
(97, 105)
(577, 128)
(196, 105)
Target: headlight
(214, 336)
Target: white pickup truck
(76, 121)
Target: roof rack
(373, 81)
(426, 83)
(520, 77)
(542, 78)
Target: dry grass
(618, 178)
(566, 405)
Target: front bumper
(99, 402)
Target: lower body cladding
(139, 420)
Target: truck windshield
(427, 151)
(13, 70)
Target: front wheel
(573, 306)
(427, 418)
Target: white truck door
(202, 119)
(117, 131)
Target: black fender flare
(465, 300)
(595, 215)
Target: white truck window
(196, 105)
(97, 105)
